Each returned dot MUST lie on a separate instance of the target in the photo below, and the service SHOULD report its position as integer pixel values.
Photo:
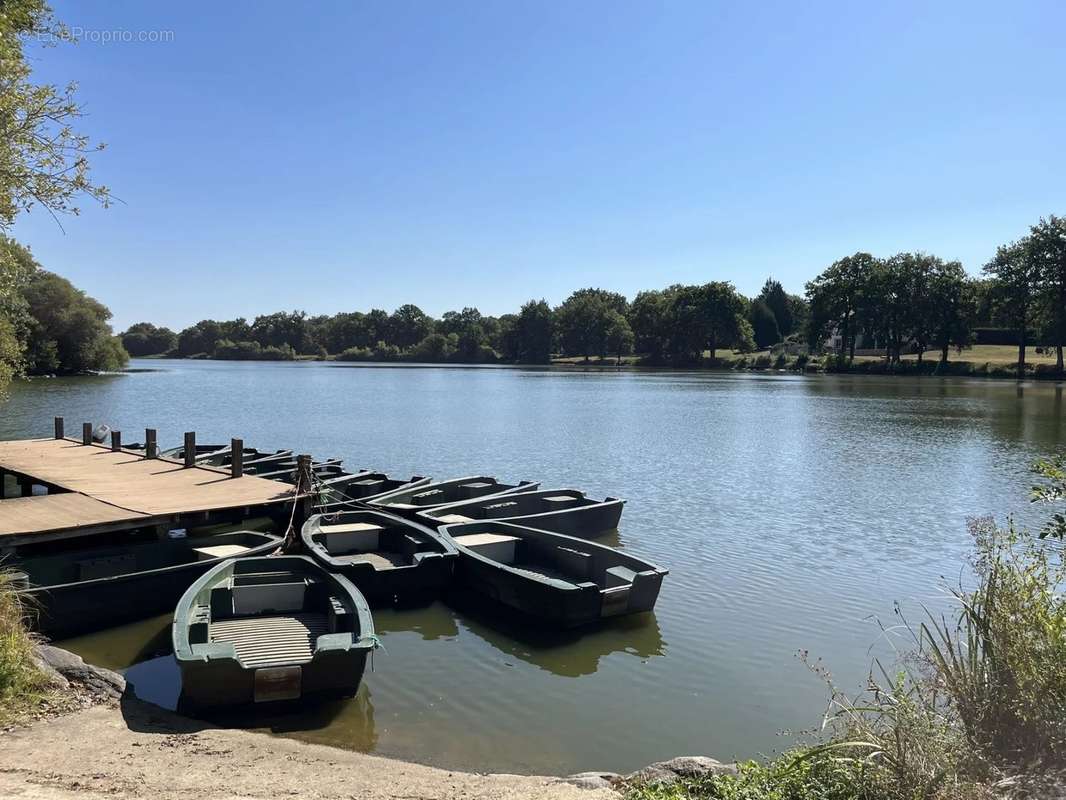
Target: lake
(792, 511)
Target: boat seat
(620, 576)
(451, 519)
(352, 537)
(574, 562)
(474, 489)
(219, 551)
(498, 547)
(557, 502)
(278, 597)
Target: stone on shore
(681, 767)
(593, 780)
(70, 668)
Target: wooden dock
(94, 488)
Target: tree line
(905, 303)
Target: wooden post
(236, 464)
(86, 433)
(59, 427)
(116, 441)
(150, 450)
(190, 448)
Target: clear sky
(341, 156)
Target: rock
(52, 675)
(681, 767)
(72, 668)
(593, 780)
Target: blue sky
(341, 156)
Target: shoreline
(95, 739)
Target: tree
(145, 339)
(763, 324)
(434, 348)
(649, 319)
(69, 333)
(835, 298)
(43, 161)
(408, 326)
(583, 319)
(1047, 242)
(17, 266)
(952, 307)
(619, 336)
(780, 304)
(533, 332)
(1015, 273)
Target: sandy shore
(140, 751)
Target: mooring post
(190, 448)
(236, 465)
(150, 450)
(116, 441)
(59, 427)
(86, 433)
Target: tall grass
(21, 683)
(974, 708)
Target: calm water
(792, 512)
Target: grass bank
(975, 708)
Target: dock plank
(132, 486)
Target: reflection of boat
(557, 579)
(408, 500)
(89, 587)
(384, 555)
(266, 629)
(570, 653)
(560, 510)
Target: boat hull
(71, 609)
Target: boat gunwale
(522, 486)
(259, 550)
(321, 555)
(528, 575)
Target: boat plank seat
(352, 537)
(261, 641)
(557, 502)
(427, 495)
(474, 489)
(620, 576)
(498, 547)
(219, 551)
(276, 597)
(452, 519)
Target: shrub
(356, 354)
(20, 680)
(780, 360)
(801, 361)
(761, 361)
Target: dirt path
(141, 751)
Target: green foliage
(1002, 663)
(68, 331)
(584, 320)
(763, 324)
(21, 682)
(433, 349)
(1052, 491)
(836, 298)
(145, 339)
(619, 336)
(1013, 290)
(784, 779)
(1047, 246)
(43, 161)
(534, 330)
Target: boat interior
(374, 539)
(548, 556)
(270, 617)
(436, 494)
(368, 484)
(515, 505)
(132, 556)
